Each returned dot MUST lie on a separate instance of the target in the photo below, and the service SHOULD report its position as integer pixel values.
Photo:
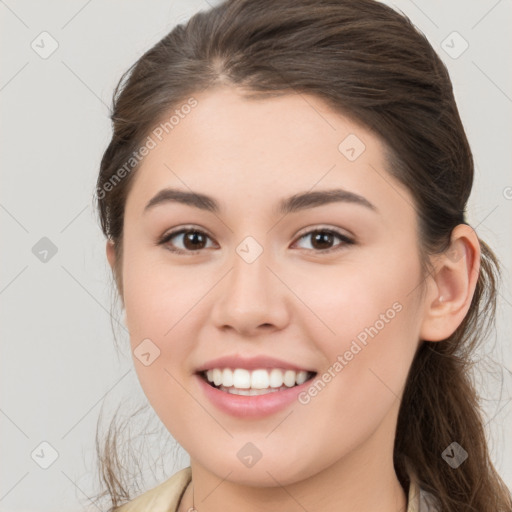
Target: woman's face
(275, 277)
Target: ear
(111, 255)
(451, 285)
(112, 260)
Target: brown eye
(190, 240)
(322, 240)
(194, 240)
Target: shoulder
(420, 500)
(166, 496)
(162, 498)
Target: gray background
(59, 364)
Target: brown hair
(369, 63)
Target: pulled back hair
(370, 64)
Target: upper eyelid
(319, 227)
(304, 231)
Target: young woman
(284, 198)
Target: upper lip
(249, 363)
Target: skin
(294, 302)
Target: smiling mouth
(240, 381)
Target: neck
(363, 480)
(328, 497)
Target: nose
(251, 299)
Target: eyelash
(345, 239)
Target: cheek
(157, 294)
(163, 303)
(370, 323)
(350, 296)
(368, 360)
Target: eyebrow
(292, 204)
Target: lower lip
(254, 406)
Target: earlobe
(111, 255)
(451, 285)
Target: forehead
(264, 148)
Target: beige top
(166, 496)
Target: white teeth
(276, 378)
(241, 379)
(217, 376)
(227, 377)
(255, 382)
(289, 378)
(301, 377)
(259, 379)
